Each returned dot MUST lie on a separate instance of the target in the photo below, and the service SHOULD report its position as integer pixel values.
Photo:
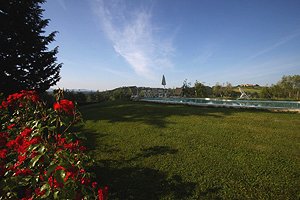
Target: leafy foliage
(39, 156)
(288, 87)
(187, 90)
(201, 90)
(26, 62)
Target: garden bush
(40, 157)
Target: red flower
(72, 145)
(60, 168)
(68, 175)
(11, 126)
(94, 184)
(41, 177)
(56, 106)
(64, 105)
(15, 166)
(19, 140)
(26, 132)
(3, 153)
(10, 144)
(100, 194)
(85, 181)
(21, 159)
(38, 192)
(4, 104)
(15, 99)
(60, 141)
(21, 145)
(23, 172)
(54, 183)
(35, 140)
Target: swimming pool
(285, 105)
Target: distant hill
(74, 90)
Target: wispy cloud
(280, 42)
(134, 36)
(62, 4)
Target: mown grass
(153, 151)
(249, 89)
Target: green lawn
(249, 89)
(153, 151)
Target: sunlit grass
(152, 151)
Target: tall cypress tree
(25, 60)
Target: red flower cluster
(41, 155)
(22, 142)
(17, 97)
(103, 193)
(72, 146)
(23, 172)
(20, 145)
(3, 152)
(70, 173)
(78, 176)
(54, 183)
(38, 192)
(11, 126)
(65, 105)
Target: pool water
(228, 103)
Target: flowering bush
(39, 156)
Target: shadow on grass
(126, 181)
(157, 150)
(142, 183)
(151, 113)
(129, 181)
(91, 136)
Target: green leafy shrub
(39, 156)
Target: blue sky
(106, 44)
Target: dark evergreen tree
(25, 60)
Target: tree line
(287, 88)
(86, 97)
(200, 90)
